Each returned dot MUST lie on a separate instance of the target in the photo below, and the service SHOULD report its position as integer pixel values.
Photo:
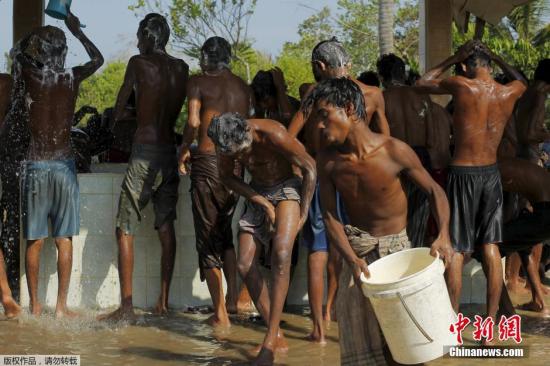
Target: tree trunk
(385, 26)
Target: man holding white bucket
(366, 168)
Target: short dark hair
(339, 92)
(478, 58)
(369, 78)
(542, 72)
(330, 52)
(155, 26)
(263, 85)
(391, 67)
(216, 51)
(230, 132)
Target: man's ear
(350, 111)
(320, 65)
(463, 67)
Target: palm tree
(385, 26)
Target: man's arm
(289, 146)
(126, 89)
(380, 114)
(300, 118)
(536, 131)
(226, 168)
(335, 229)
(82, 72)
(432, 83)
(285, 108)
(194, 104)
(439, 204)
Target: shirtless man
(276, 208)
(11, 308)
(217, 90)
(525, 233)
(410, 118)
(366, 168)
(49, 185)
(481, 109)
(530, 112)
(158, 81)
(272, 102)
(329, 60)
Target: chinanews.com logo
(509, 328)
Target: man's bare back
(218, 94)
(159, 81)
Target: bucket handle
(424, 333)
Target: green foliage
(522, 38)
(100, 90)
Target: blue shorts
(50, 190)
(314, 234)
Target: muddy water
(184, 339)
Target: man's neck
(216, 71)
(360, 140)
(483, 74)
(339, 72)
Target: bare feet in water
(542, 311)
(11, 308)
(120, 314)
(65, 313)
(36, 309)
(317, 335)
(160, 308)
(216, 321)
(281, 345)
(265, 357)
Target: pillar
(27, 15)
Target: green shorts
(152, 175)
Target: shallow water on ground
(185, 339)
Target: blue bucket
(58, 9)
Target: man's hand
(270, 214)
(72, 22)
(359, 266)
(183, 164)
(444, 248)
(278, 78)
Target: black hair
(502, 78)
(155, 26)
(391, 67)
(330, 52)
(216, 51)
(369, 78)
(339, 92)
(478, 58)
(263, 85)
(230, 133)
(412, 77)
(542, 72)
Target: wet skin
(439, 148)
(366, 167)
(159, 82)
(51, 96)
(532, 182)
(214, 92)
(482, 109)
(6, 83)
(269, 161)
(374, 104)
(529, 115)
(278, 106)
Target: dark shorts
(475, 197)
(50, 190)
(213, 207)
(527, 230)
(254, 220)
(314, 234)
(152, 175)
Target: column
(27, 15)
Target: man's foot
(317, 335)
(120, 314)
(329, 315)
(542, 311)
(517, 288)
(281, 345)
(160, 308)
(265, 357)
(231, 304)
(36, 309)
(216, 321)
(65, 313)
(11, 308)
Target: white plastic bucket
(410, 299)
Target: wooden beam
(27, 15)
